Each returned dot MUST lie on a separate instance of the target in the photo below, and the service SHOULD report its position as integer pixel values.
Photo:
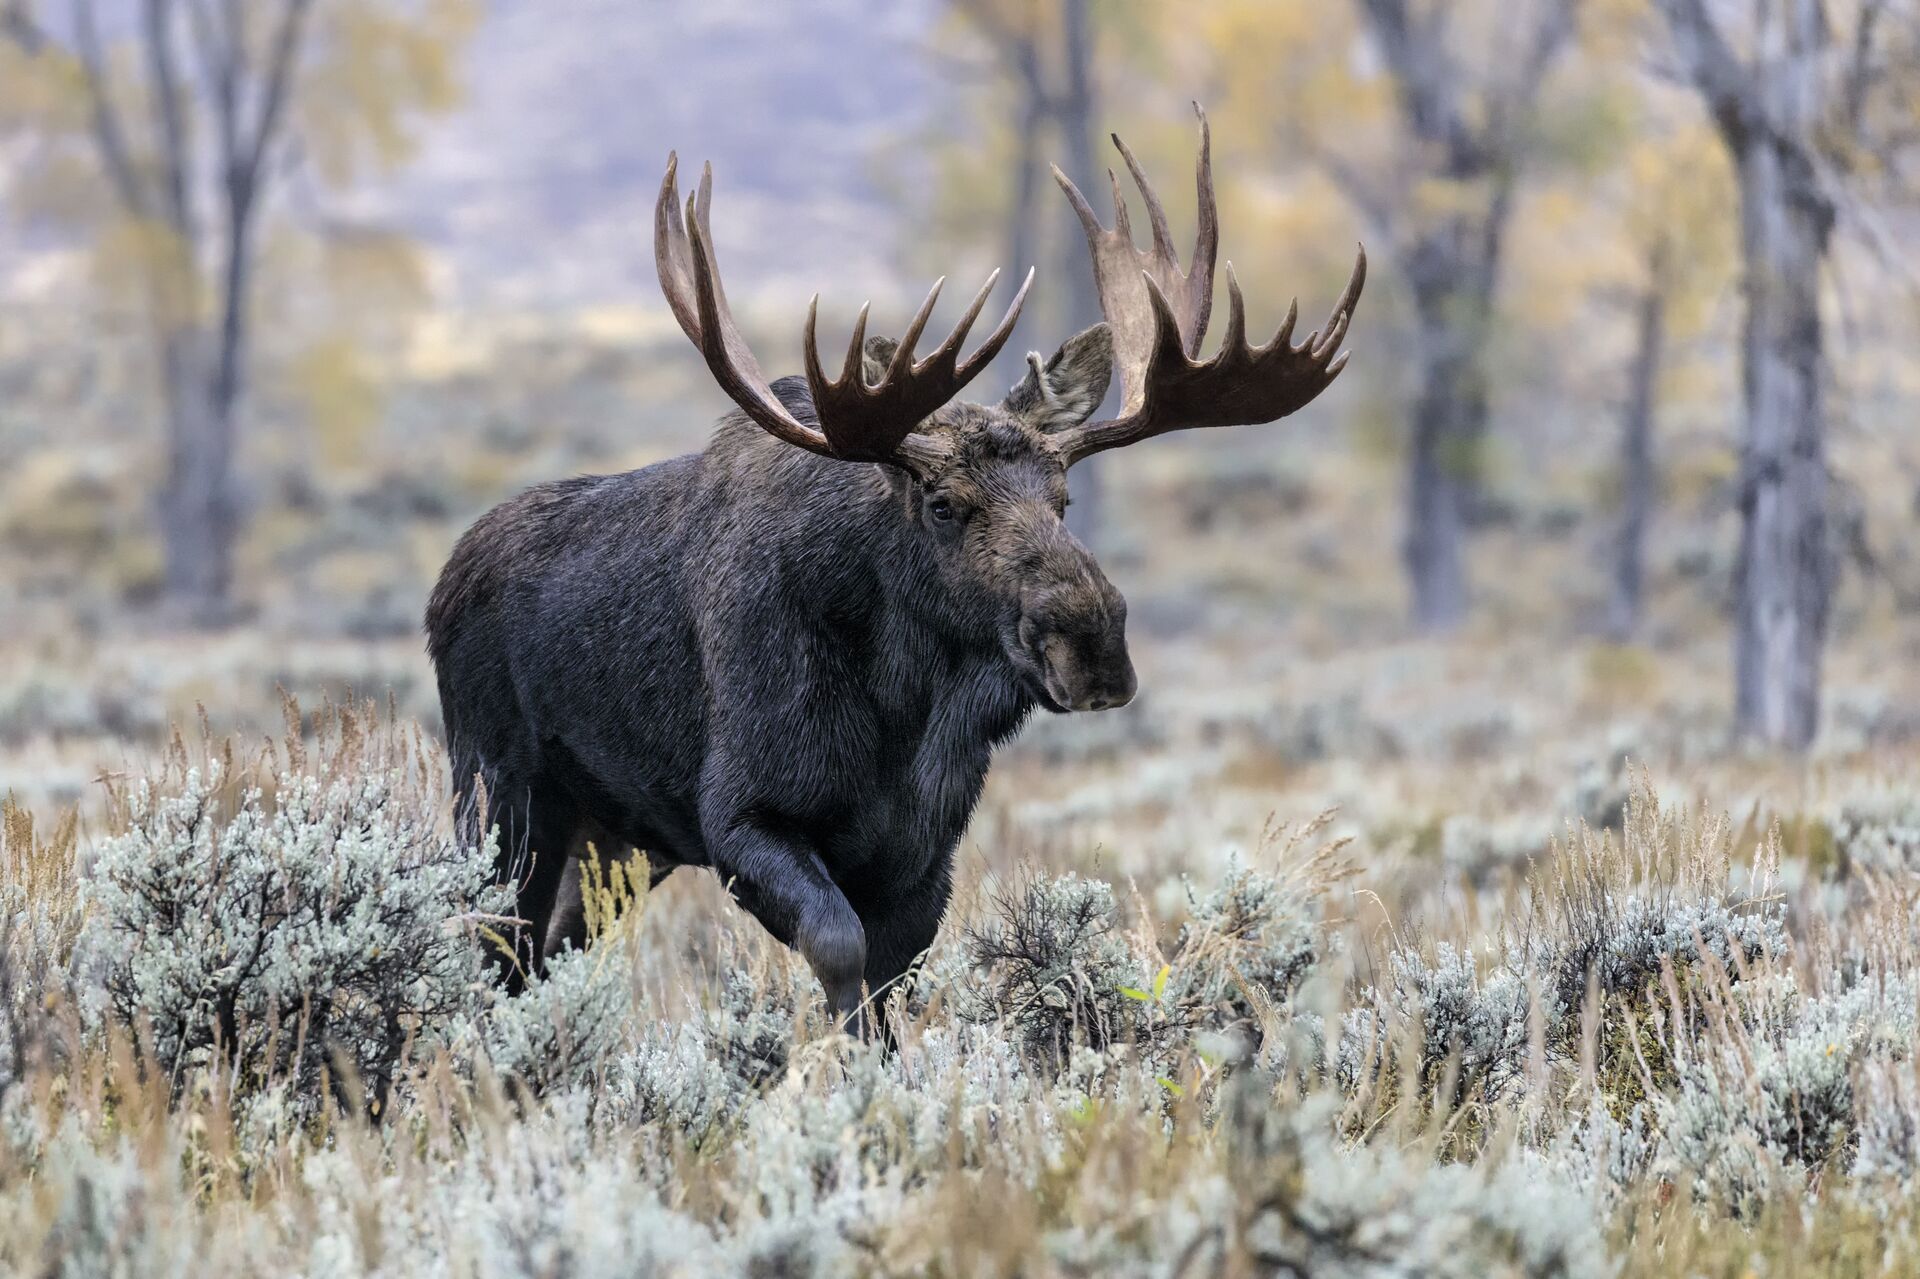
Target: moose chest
(924, 765)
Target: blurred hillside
(538, 193)
(535, 194)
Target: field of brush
(1625, 1030)
(1336, 953)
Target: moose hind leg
(567, 925)
(536, 831)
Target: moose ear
(875, 356)
(1065, 390)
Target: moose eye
(940, 508)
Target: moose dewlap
(789, 657)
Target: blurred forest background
(292, 290)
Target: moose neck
(935, 663)
(952, 661)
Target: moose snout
(1082, 654)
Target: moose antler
(1158, 314)
(858, 421)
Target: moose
(789, 657)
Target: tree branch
(1416, 55)
(246, 151)
(1859, 76)
(170, 133)
(1550, 35)
(108, 134)
(219, 54)
(280, 74)
(1715, 70)
(18, 26)
(1510, 109)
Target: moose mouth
(1036, 677)
(1062, 676)
(1048, 689)
(1037, 681)
(1046, 695)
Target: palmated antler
(1158, 314)
(858, 421)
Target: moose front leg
(781, 882)
(898, 936)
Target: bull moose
(790, 656)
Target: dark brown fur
(788, 668)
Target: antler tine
(1118, 264)
(903, 354)
(1158, 314)
(1156, 213)
(858, 421)
(672, 256)
(689, 277)
(1284, 336)
(1122, 224)
(1089, 220)
(1343, 308)
(719, 335)
(946, 356)
(850, 368)
(1206, 235)
(810, 346)
(984, 353)
(1323, 349)
(1236, 332)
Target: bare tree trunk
(1773, 111)
(1057, 91)
(1636, 460)
(1076, 114)
(204, 376)
(1785, 571)
(197, 510)
(1437, 481)
(1469, 133)
(202, 367)
(1453, 273)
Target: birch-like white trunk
(1785, 571)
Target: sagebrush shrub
(1476, 1026)
(278, 924)
(1767, 1097)
(1880, 832)
(1052, 967)
(1244, 952)
(1887, 1149)
(561, 1030)
(39, 920)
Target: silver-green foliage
(330, 925)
